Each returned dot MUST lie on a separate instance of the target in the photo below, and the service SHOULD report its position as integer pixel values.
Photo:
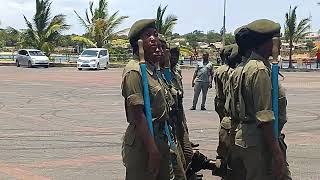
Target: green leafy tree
(213, 37)
(230, 39)
(310, 45)
(2, 38)
(295, 31)
(195, 37)
(43, 31)
(13, 36)
(166, 26)
(100, 26)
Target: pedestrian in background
(318, 58)
(202, 81)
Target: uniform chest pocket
(155, 92)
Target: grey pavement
(60, 123)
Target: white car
(93, 58)
(31, 58)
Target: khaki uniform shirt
(221, 77)
(282, 107)
(232, 91)
(255, 101)
(132, 91)
(177, 79)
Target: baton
(275, 85)
(146, 97)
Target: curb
(63, 65)
(112, 65)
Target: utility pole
(224, 25)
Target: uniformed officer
(182, 128)
(256, 145)
(231, 58)
(145, 157)
(231, 120)
(202, 81)
(178, 160)
(222, 74)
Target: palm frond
(89, 21)
(42, 17)
(57, 25)
(29, 25)
(290, 23)
(84, 40)
(302, 29)
(91, 8)
(166, 26)
(114, 21)
(100, 12)
(159, 20)
(82, 22)
(169, 24)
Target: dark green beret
(264, 26)
(225, 52)
(232, 56)
(234, 51)
(138, 26)
(239, 29)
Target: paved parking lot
(60, 123)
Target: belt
(247, 122)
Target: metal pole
(224, 25)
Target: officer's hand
(154, 162)
(279, 165)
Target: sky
(204, 15)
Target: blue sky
(202, 15)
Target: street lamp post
(224, 25)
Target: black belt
(247, 122)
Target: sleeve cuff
(265, 116)
(135, 99)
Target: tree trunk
(99, 43)
(290, 53)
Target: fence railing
(63, 58)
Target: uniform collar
(150, 68)
(256, 56)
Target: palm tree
(293, 31)
(166, 26)
(99, 25)
(44, 31)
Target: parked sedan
(31, 58)
(93, 58)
